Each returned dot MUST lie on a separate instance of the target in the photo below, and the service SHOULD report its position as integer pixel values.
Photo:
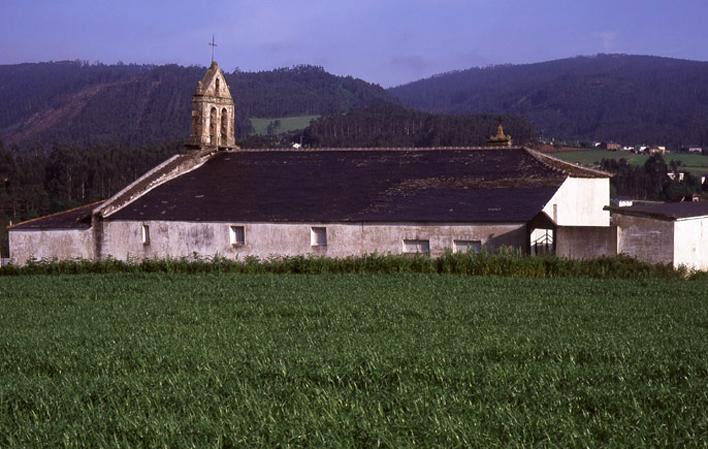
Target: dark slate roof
(665, 211)
(77, 218)
(357, 185)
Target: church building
(216, 199)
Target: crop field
(694, 163)
(260, 125)
(217, 360)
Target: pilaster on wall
(97, 230)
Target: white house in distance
(217, 199)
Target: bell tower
(213, 112)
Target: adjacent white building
(667, 233)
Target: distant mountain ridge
(626, 98)
(93, 104)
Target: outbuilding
(675, 233)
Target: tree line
(650, 181)
(388, 125)
(34, 182)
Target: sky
(389, 42)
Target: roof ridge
(380, 149)
(166, 171)
(565, 166)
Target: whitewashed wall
(691, 243)
(646, 239)
(580, 202)
(59, 244)
(123, 239)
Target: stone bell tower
(213, 112)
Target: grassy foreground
(216, 360)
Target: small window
(416, 246)
(318, 237)
(237, 235)
(466, 246)
(145, 233)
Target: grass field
(694, 163)
(221, 361)
(260, 125)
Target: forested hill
(94, 104)
(387, 125)
(630, 99)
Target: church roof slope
(355, 185)
(76, 218)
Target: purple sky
(384, 41)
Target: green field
(260, 125)
(222, 361)
(694, 163)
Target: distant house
(669, 233)
(676, 176)
(610, 146)
(657, 150)
(622, 201)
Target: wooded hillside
(630, 99)
(94, 104)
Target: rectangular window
(237, 235)
(318, 237)
(145, 234)
(466, 246)
(416, 246)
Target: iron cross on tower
(212, 44)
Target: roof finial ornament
(501, 139)
(212, 44)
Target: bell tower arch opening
(217, 86)
(212, 126)
(224, 126)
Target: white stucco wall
(646, 239)
(586, 242)
(58, 244)
(580, 202)
(123, 240)
(691, 243)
